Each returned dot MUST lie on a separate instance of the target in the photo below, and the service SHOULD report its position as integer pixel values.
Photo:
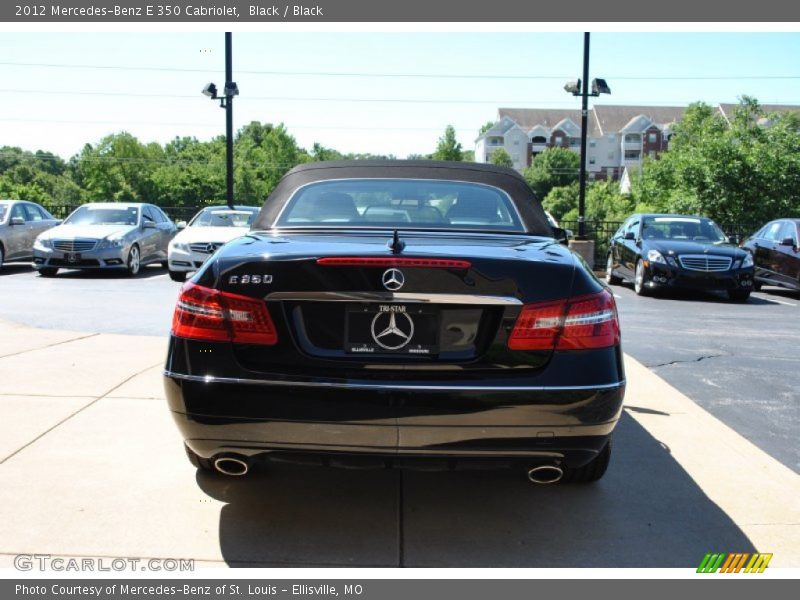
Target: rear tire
(48, 271)
(199, 463)
(591, 471)
(611, 279)
(179, 276)
(738, 295)
(640, 280)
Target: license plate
(72, 257)
(392, 329)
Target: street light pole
(584, 125)
(229, 87)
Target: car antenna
(396, 245)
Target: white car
(208, 230)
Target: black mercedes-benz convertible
(398, 313)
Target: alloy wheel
(639, 279)
(134, 261)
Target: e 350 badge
(247, 279)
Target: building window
(591, 160)
(611, 137)
(538, 139)
(575, 142)
(632, 155)
(610, 156)
(632, 138)
(516, 142)
(652, 138)
(592, 143)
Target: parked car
(208, 231)
(20, 222)
(106, 235)
(394, 312)
(678, 251)
(776, 253)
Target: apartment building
(618, 137)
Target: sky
(384, 93)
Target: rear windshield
(97, 215)
(224, 218)
(3, 211)
(401, 203)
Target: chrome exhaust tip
(544, 474)
(235, 467)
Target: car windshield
(683, 229)
(224, 218)
(104, 215)
(401, 203)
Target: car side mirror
(17, 221)
(734, 239)
(629, 235)
(181, 225)
(560, 235)
(148, 225)
(787, 242)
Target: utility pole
(584, 125)
(580, 87)
(230, 91)
(226, 101)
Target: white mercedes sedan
(208, 230)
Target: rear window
(401, 203)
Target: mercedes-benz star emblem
(392, 331)
(393, 279)
(211, 248)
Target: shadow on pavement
(646, 512)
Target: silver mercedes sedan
(106, 235)
(20, 222)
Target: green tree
(562, 202)
(264, 153)
(485, 127)
(502, 158)
(555, 167)
(118, 168)
(448, 148)
(745, 171)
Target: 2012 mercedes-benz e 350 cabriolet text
(398, 314)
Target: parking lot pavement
(95, 467)
(738, 361)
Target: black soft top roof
(533, 217)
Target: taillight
(206, 314)
(574, 324)
(388, 261)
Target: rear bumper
(391, 422)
